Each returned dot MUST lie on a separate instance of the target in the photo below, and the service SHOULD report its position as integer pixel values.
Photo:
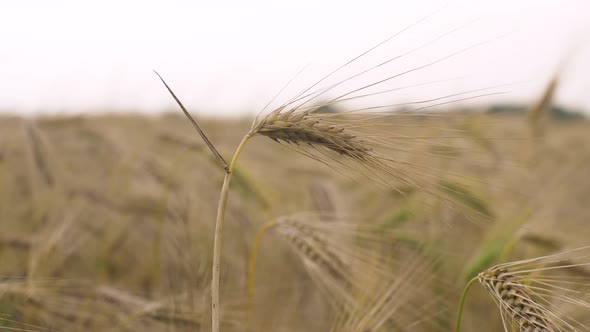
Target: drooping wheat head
(364, 284)
(301, 127)
(349, 127)
(543, 294)
(516, 301)
(327, 266)
(385, 148)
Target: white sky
(227, 57)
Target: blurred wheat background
(108, 220)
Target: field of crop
(107, 224)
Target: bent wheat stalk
(220, 209)
(333, 141)
(219, 236)
(354, 142)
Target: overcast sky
(230, 57)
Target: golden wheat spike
(516, 301)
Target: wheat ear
(296, 126)
(536, 294)
(331, 270)
(374, 146)
(515, 301)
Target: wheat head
(548, 293)
(516, 301)
(380, 147)
(296, 126)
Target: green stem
(462, 302)
(218, 238)
(252, 262)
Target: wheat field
(108, 222)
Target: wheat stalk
(347, 143)
(331, 140)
